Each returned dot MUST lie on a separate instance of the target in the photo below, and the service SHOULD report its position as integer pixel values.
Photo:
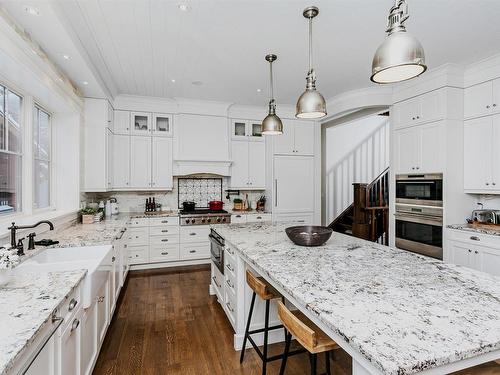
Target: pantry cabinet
(424, 108)
(121, 161)
(140, 162)
(297, 138)
(482, 99)
(162, 163)
(481, 156)
(248, 168)
(420, 149)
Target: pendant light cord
(271, 91)
(310, 45)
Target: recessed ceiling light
(85, 83)
(66, 57)
(183, 7)
(172, 80)
(197, 83)
(31, 10)
(259, 90)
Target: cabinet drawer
(474, 238)
(230, 283)
(139, 222)
(195, 234)
(238, 219)
(255, 218)
(217, 281)
(164, 230)
(71, 305)
(195, 251)
(162, 221)
(138, 236)
(164, 240)
(299, 219)
(229, 262)
(230, 307)
(163, 253)
(138, 255)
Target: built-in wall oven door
(217, 250)
(419, 233)
(422, 189)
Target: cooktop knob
(218, 219)
(203, 220)
(209, 220)
(187, 221)
(193, 221)
(223, 219)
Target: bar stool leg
(266, 334)
(247, 328)
(327, 361)
(313, 364)
(288, 340)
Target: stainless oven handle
(415, 182)
(420, 219)
(215, 240)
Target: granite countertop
(493, 231)
(402, 311)
(27, 303)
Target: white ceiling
(138, 46)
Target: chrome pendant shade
(311, 103)
(401, 56)
(272, 124)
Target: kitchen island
(393, 311)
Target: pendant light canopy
(311, 103)
(401, 56)
(272, 124)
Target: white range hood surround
(190, 167)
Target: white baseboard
(149, 266)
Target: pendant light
(311, 103)
(401, 56)
(272, 124)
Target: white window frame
(50, 207)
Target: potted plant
(88, 215)
(237, 204)
(8, 260)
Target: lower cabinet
(102, 307)
(69, 346)
(45, 362)
(89, 345)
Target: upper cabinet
(251, 129)
(420, 149)
(121, 122)
(297, 138)
(481, 156)
(248, 168)
(162, 124)
(143, 123)
(140, 123)
(425, 108)
(482, 99)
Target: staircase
(368, 216)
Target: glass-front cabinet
(162, 124)
(247, 129)
(141, 123)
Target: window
(10, 151)
(41, 155)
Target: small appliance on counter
(114, 206)
(485, 217)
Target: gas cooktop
(204, 216)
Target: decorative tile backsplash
(199, 190)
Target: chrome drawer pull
(230, 251)
(164, 240)
(259, 217)
(229, 284)
(475, 238)
(164, 221)
(72, 304)
(164, 231)
(192, 251)
(229, 307)
(215, 281)
(164, 253)
(228, 266)
(192, 234)
(75, 324)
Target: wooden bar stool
(267, 293)
(313, 339)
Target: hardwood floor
(166, 323)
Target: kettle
(114, 206)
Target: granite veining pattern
(495, 231)
(403, 312)
(26, 305)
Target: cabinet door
(162, 124)
(44, 363)
(432, 148)
(477, 154)
(431, 106)
(88, 350)
(239, 129)
(478, 100)
(495, 106)
(140, 123)
(140, 162)
(121, 122)
(102, 311)
(489, 260)
(405, 113)
(496, 154)
(407, 145)
(255, 129)
(304, 137)
(239, 166)
(294, 183)
(70, 347)
(461, 254)
(121, 161)
(284, 144)
(257, 165)
(162, 163)
(109, 160)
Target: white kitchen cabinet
(422, 109)
(88, 352)
(482, 99)
(121, 122)
(162, 163)
(140, 162)
(121, 161)
(109, 159)
(162, 124)
(248, 169)
(45, 362)
(102, 315)
(140, 123)
(246, 129)
(297, 138)
(420, 149)
(481, 157)
(293, 184)
(70, 346)
(462, 254)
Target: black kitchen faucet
(20, 248)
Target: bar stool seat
(266, 292)
(308, 334)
